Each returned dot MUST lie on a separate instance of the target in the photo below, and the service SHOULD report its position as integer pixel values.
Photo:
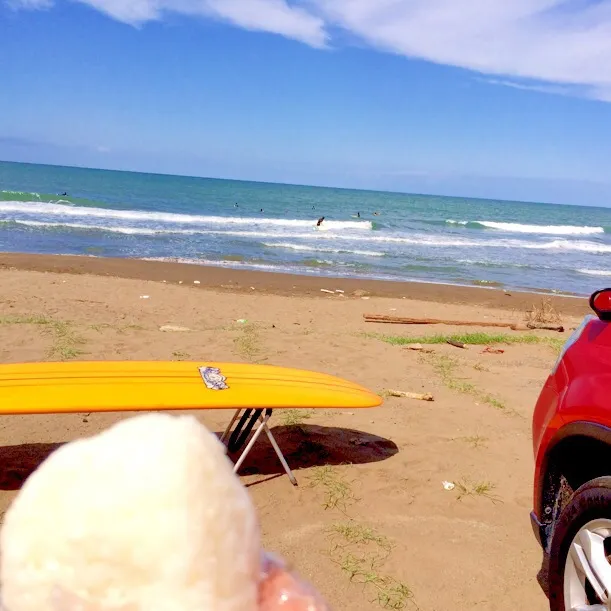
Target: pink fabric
(281, 590)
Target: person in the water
(64, 194)
(320, 220)
(358, 215)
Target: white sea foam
(594, 272)
(540, 229)
(269, 267)
(543, 229)
(305, 248)
(593, 247)
(55, 209)
(414, 239)
(125, 230)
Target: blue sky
(489, 98)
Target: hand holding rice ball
(146, 516)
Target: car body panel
(578, 390)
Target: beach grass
(354, 534)
(466, 487)
(447, 369)
(469, 339)
(389, 593)
(25, 320)
(361, 552)
(475, 441)
(295, 417)
(248, 342)
(474, 339)
(66, 341)
(338, 493)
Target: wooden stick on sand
(400, 320)
(411, 395)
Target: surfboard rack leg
(263, 427)
(280, 455)
(228, 429)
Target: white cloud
(564, 43)
(551, 89)
(275, 16)
(130, 11)
(552, 41)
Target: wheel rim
(587, 573)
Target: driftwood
(547, 327)
(455, 344)
(529, 326)
(418, 348)
(411, 395)
(400, 320)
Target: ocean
(272, 227)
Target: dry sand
(370, 501)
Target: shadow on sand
(308, 445)
(303, 446)
(18, 462)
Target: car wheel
(580, 551)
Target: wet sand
(279, 284)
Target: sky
(484, 98)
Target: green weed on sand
(248, 342)
(466, 488)
(447, 369)
(65, 339)
(295, 417)
(475, 339)
(361, 552)
(337, 490)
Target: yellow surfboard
(50, 388)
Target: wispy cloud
(274, 16)
(564, 43)
(551, 89)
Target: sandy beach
(370, 506)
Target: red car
(572, 486)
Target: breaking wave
(520, 228)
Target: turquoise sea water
(273, 227)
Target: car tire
(590, 504)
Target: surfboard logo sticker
(213, 378)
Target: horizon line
(288, 184)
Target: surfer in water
(358, 215)
(64, 194)
(320, 220)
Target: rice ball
(147, 515)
